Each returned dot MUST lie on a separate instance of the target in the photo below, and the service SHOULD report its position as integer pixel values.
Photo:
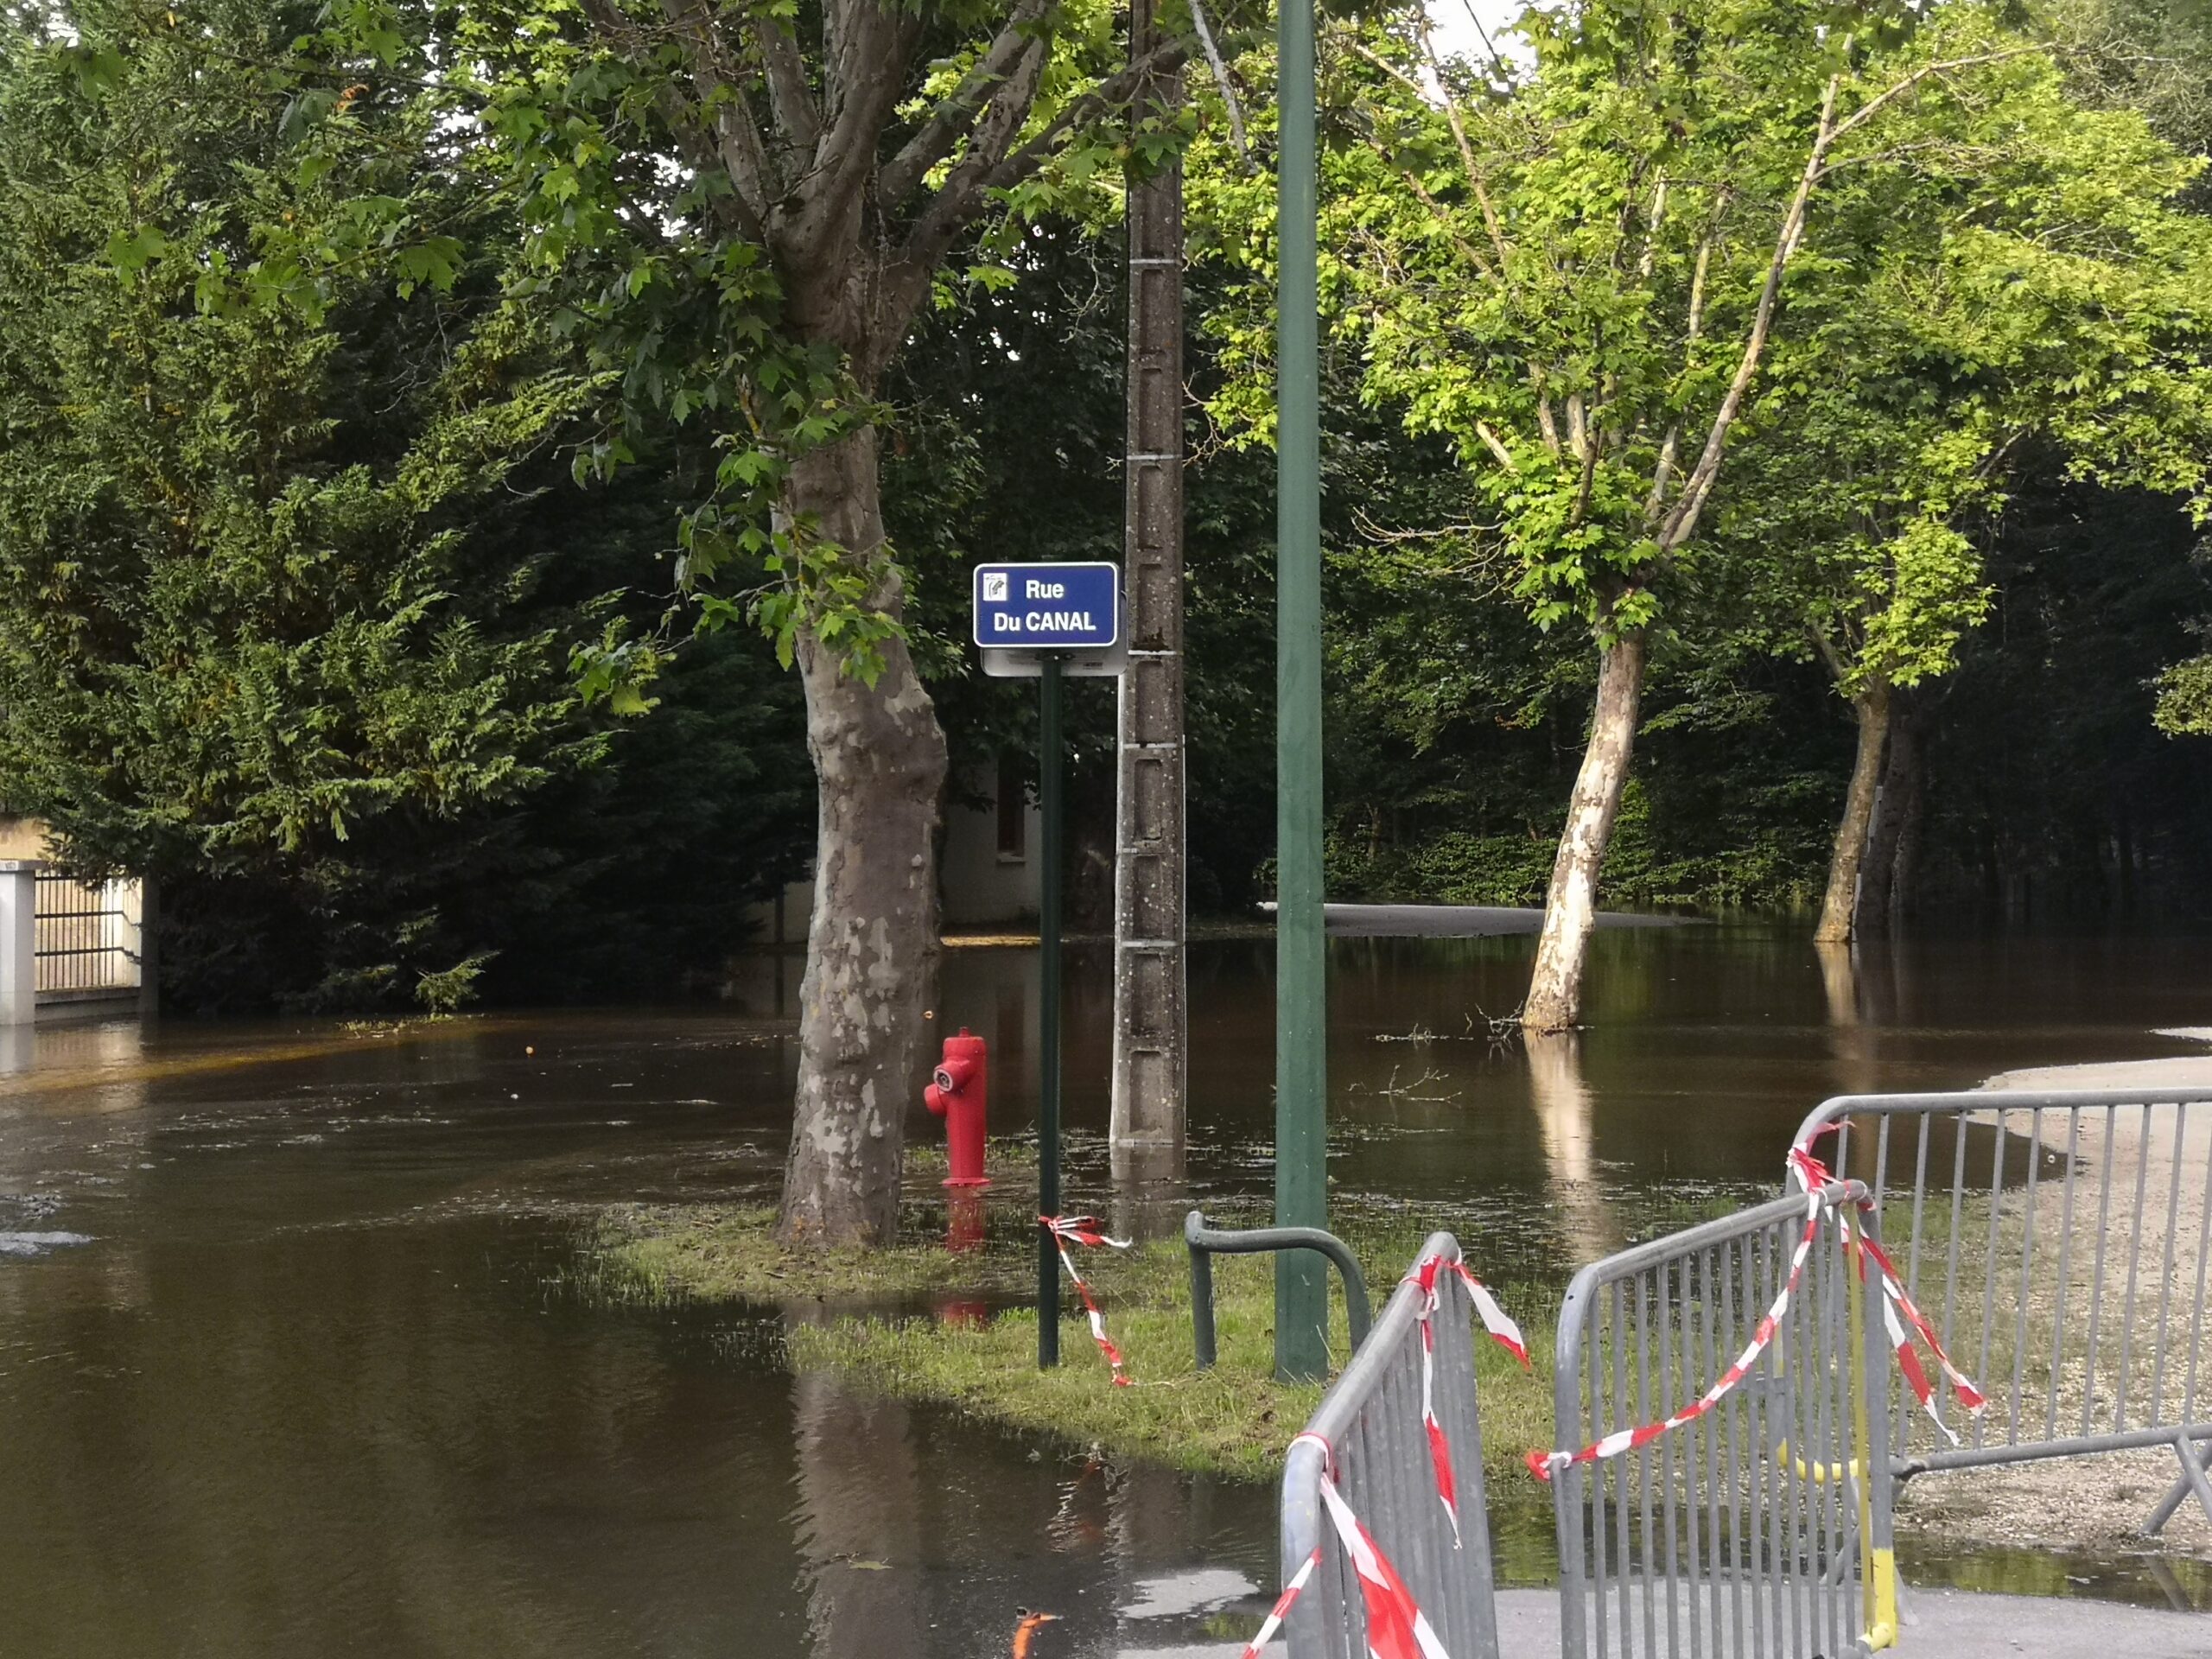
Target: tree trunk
(1912, 810)
(1850, 854)
(879, 763)
(1570, 909)
(1877, 878)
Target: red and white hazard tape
(1815, 1177)
(1396, 1627)
(1813, 1173)
(1543, 1465)
(1502, 1331)
(1085, 1230)
(1281, 1610)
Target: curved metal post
(1205, 1243)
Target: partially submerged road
(1463, 921)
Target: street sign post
(1049, 620)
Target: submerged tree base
(924, 1323)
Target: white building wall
(983, 883)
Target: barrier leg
(1202, 1308)
(1870, 1423)
(2190, 1482)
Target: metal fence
(1371, 1422)
(2058, 1241)
(1738, 1533)
(89, 936)
(2060, 1246)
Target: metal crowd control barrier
(2059, 1243)
(1372, 1421)
(1746, 1530)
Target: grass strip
(959, 1349)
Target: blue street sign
(1048, 606)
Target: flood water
(291, 1364)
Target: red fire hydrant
(958, 1097)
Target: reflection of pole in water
(1565, 1116)
(859, 1520)
(1150, 1194)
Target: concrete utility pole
(1151, 1028)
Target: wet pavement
(1953, 1624)
(293, 1357)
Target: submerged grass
(1234, 1419)
(657, 1255)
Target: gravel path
(2094, 1503)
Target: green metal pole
(1048, 1015)
(1302, 1037)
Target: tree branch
(1489, 210)
(1828, 653)
(937, 136)
(790, 99)
(1474, 255)
(1866, 111)
(702, 137)
(871, 45)
(1681, 522)
(739, 141)
(1649, 257)
(1663, 473)
(961, 196)
(1228, 86)
(1490, 220)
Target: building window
(1014, 811)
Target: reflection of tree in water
(859, 1524)
(1839, 982)
(1863, 984)
(1565, 1115)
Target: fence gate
(1371, 1423)
(1745, 1531)
(2060, 1244)
(90, 936)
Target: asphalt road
(1461, 921)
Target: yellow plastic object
(1878, 1576)
(1881, 1598)
(1818, 1474)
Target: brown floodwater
(292, 1361)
